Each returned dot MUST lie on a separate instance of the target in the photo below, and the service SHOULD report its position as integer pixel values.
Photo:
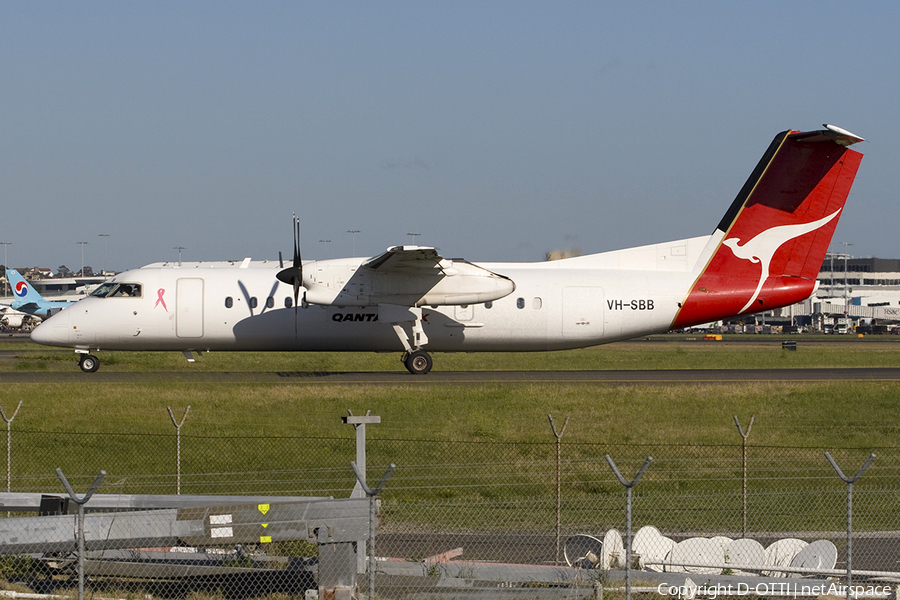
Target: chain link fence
(456, 519)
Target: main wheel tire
(89, 363)
(418, 362)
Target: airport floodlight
(6, 263)
(104, 236)
(353, 233)
(846, 284)
(179, 248)
(82, 244)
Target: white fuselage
(570, 303)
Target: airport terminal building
(854, 294)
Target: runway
(706, 377)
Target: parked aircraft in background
(27, 300)
(15, 319)
(765, 253)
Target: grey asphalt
(708, 377)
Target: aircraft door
(582, 312)
(189, 308)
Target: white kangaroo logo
(763, 247)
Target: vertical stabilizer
(23, 292)
(768, 249)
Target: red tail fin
(770, 245)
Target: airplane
(15, 319)
(28, 300)
(765, 253)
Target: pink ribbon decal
(159, 299)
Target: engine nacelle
(14, 321)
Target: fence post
(178, 425)
(359, 424)
(744, 466)
(361, 478)
(79, 527)
(850, 481)
(9, 445)
(558, 493)
(628, 486)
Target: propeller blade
(293, 275)
(298, 264)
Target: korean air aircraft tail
(768, 249)
(26, 299)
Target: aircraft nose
(42, 334)
(53, 331)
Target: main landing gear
(418, 362)
(89, 363)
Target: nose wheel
(89, 363)
(418, 362)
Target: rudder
(769, 247)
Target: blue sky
(496, 130)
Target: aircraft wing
(417, 275)
(408, 260)
(408, 276)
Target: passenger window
(488, 304)
(270, 302)
(253, 302)
(229, 302)
(520, 303)
(288, 302)
(536, 304)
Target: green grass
(677, 352)
(482, 454)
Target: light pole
(846, 284)
(82, 244)
(326, 242)
(6, 263)
(831, 268)
(414, 236)
(104, 236)
(179, 248)
(353, 233)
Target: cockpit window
(121, 290)
(103, 290)
(128, 290)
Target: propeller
(293, 275)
